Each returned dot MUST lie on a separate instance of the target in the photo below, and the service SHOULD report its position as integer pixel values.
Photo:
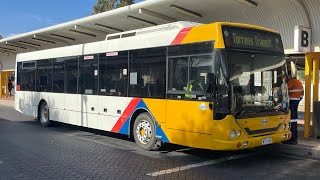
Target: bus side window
(113, 74)
(58, 75)
(149, 66)
(28, 77)
(88, 71)
(44, 76)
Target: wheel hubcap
(44, 114)
(144, 132)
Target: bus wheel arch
(143, 120)
(43, 113)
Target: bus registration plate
(266, 141)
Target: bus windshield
(257, 83)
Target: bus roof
(155, 36)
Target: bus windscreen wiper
(242, 113)
(273, 110)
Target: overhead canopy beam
(29, 43)
(156, 15)
(185, 11)
(138, 20)
(7, 49)
(62, 37)
(43, 40)
(48, 39)
(82, 33)
(249, 3)
(108, 27)
(90, 30)
(15, 44)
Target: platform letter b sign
(304, 38)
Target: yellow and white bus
(213, 86)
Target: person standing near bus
(284, 93)
(10, 86)
(296, 93)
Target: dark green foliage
(107, 5)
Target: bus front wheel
(44, 114)
(144, 132)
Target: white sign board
(302, 39)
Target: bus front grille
(262, 131)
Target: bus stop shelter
(282, 16)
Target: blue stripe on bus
(126, 126)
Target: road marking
(296, 157)
(205, 163)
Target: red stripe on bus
(124, 116)
(182, 34)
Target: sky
(21, 16)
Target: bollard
(316, 115)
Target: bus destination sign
(250, 39)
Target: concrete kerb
(6, 103)
(309, 149)
(304, 149)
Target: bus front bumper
(247, 143)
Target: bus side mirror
(210, 82)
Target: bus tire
(144, 132)
(44, 114)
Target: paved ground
(29, 151)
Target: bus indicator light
(239, 133)
(245, 143)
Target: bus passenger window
(188, 69)
(28, 76)
(88, 68)
(150, 67)
(58, 75)
(113, 74)
(44, 76)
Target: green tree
(300, 75)
(123, 3)
(107, 5)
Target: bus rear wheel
(44, 114)
(144, 132)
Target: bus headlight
(232, 134)
(288, 126)
(284, 126)
(239, 133)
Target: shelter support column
(311, 66)
(315, 83)
(307, 104)
(6, 75)
(315, 80)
